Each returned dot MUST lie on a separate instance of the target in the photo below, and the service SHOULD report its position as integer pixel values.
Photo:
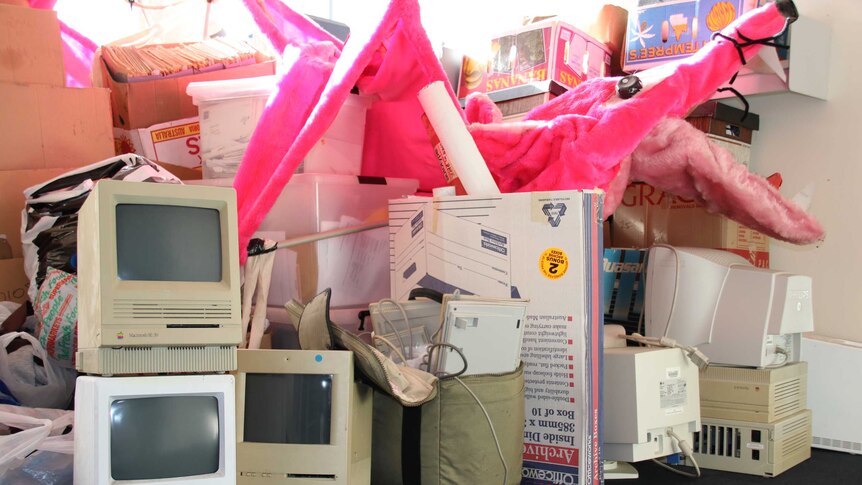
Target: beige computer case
(755, 395)
(753, 448)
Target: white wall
(810, 140)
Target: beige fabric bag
(430, 431)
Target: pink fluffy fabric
(680, 159)
(390, 61)
(589, 138)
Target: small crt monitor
(155, 429)
(158, 279)
(301, 418)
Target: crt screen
(288, 408)
(168, 243)
(164, 437)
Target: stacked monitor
(735, 313)
(159, 294)
(301, 418)
(158, 279)
(155, 429)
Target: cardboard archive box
(32, 52)
(543, 246)
(649, 216)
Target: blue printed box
(663, 31)
(623, 286)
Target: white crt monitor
(648, 391)
(158, 279)
(301, 419)
(735, 313)
(154, 430)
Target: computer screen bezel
(113, 193)
(93, 401)
(331, 459)
(215, 305)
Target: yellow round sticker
(553, 263)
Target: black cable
(738, 95)
(363, 314)
(747, 42)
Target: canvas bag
(428, 431)
(447, 440)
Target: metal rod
(296, 241)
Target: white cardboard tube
(456, 140)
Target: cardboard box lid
(30, 48)
(52, 127)
(146, 103)
(13, 183)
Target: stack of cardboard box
(45, 128)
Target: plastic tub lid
(231, 89)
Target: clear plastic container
(230, 110)
(356, 267)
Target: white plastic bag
(40, 430)
(59, 382)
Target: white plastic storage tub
(230, 110)
(356, 266)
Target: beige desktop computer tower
(753, 395)
(753, 448)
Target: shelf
(807, 67)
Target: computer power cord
(404, 350)
(385, 341)
(687, 451)
(696, 356)
(785, 357)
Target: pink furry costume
(590, 137)
(586, 138)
